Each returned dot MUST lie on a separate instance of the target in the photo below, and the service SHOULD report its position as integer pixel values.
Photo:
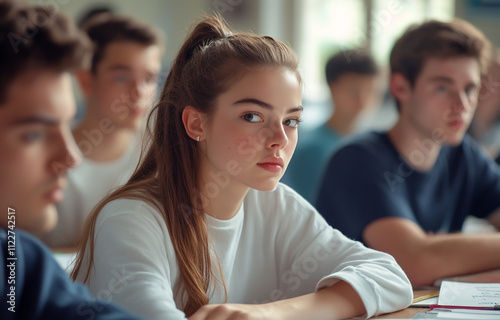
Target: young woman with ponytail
(203, 229)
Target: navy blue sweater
(34, 286)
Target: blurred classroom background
(314, 28)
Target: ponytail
(167, 176)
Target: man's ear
(194, 122)
(84, 78)
(400, 87)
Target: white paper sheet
(469, 294)
(459, 316)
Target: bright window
(326, 26)
(389, 19)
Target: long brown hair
(167, 176)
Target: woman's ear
(400, 88)
(194, 122)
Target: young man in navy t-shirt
(39, 49)
(407, 191)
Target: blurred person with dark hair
(36, 107)
(407, 191)
(485, 126)
(120, 85)
(352, 79)
(92, 12)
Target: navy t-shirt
(366, 179)
(42, 290)
(498, 159)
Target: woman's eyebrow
(266, 105)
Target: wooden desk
(407, 313)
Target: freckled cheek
(237, 144)
(225, 143)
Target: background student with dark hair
(485, 125)
(120, 86)
(352, 79)
(37, 150)
(407, 191)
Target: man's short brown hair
(435, 39)
(37, 38)
(104, 29)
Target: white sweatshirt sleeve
(313, 256)
(132, 266)
(376, 277)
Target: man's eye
(151, 79)
(441, 89)
(32, 136)
(470, 90)
(120, 79)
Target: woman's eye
(252, 117)
(292, 122)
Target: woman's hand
(339, 301)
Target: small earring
(198, 138)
